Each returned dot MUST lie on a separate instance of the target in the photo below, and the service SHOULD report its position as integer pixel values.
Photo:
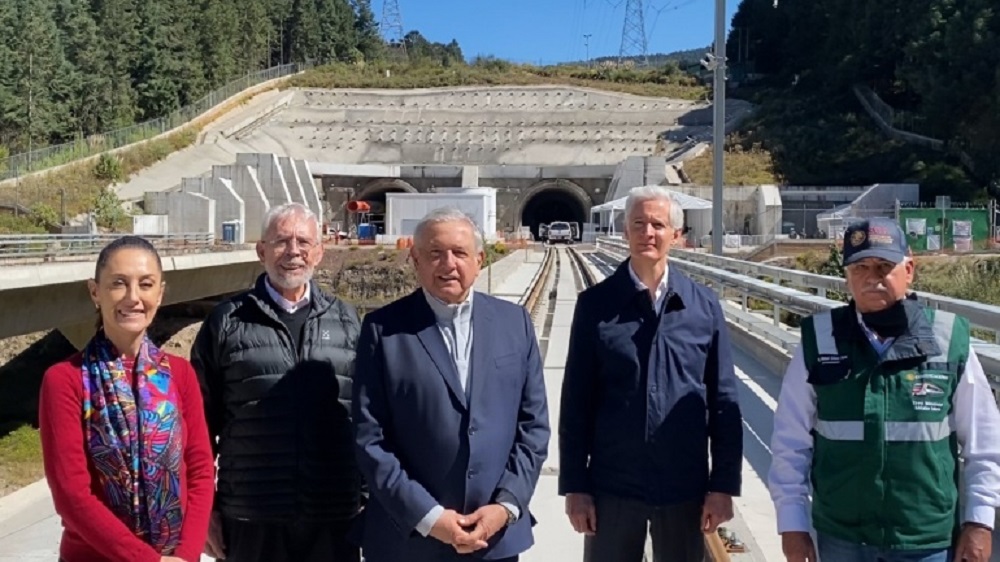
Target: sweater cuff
(147, 553)
(188, 553)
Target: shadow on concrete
(21, 378)
(758, 417)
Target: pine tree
(118, 29)
(41, 80)
(157, 69)
(254, 41)
(10, 129)
(304, 31)
(366, 31)
(89, 75)
(186, 49)
(219, 40)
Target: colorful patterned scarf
(134, 439)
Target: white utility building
(610, 216)
(404, 210)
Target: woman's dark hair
(124, 243)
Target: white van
(560, 232)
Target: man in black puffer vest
(276, 365)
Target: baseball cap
(874, 238)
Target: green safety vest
(885, 464)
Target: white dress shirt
(976, 422)
(455, 324)
(661, 288)
(285, 304)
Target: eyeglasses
(283, 244)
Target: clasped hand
(469, 533)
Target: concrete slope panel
(168, 173)
(291, 175)
(269, 174)
(555, 125)
(309, 186)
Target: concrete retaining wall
(189, 211)
(256, 204)
(228, 205)
(309, 186)
(292, 180)
(270, 176)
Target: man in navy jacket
(649, 386)
(450, 411)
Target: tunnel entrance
(377, 202)
(374, 195)
(552, 204)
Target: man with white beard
(276, 365)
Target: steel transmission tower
(392, 24)
(634, 32)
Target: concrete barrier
(772, 358)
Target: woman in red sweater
(124, 439)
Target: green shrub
(109, 168)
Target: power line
(634, 33)
(392, 24)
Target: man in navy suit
(450, 413)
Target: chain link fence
(27, 162)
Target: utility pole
(392, 25)
(634, 33)
(586, 44)
(719, 126)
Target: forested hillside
(937, 62)
(73, 68)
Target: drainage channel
(577, 273)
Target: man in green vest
(881, 400)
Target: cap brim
(891, 256)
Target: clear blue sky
(551, 31)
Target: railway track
(586, 269)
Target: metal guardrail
(53, 246)
(980, 315)
(786, 298)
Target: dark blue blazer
(422, 440)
